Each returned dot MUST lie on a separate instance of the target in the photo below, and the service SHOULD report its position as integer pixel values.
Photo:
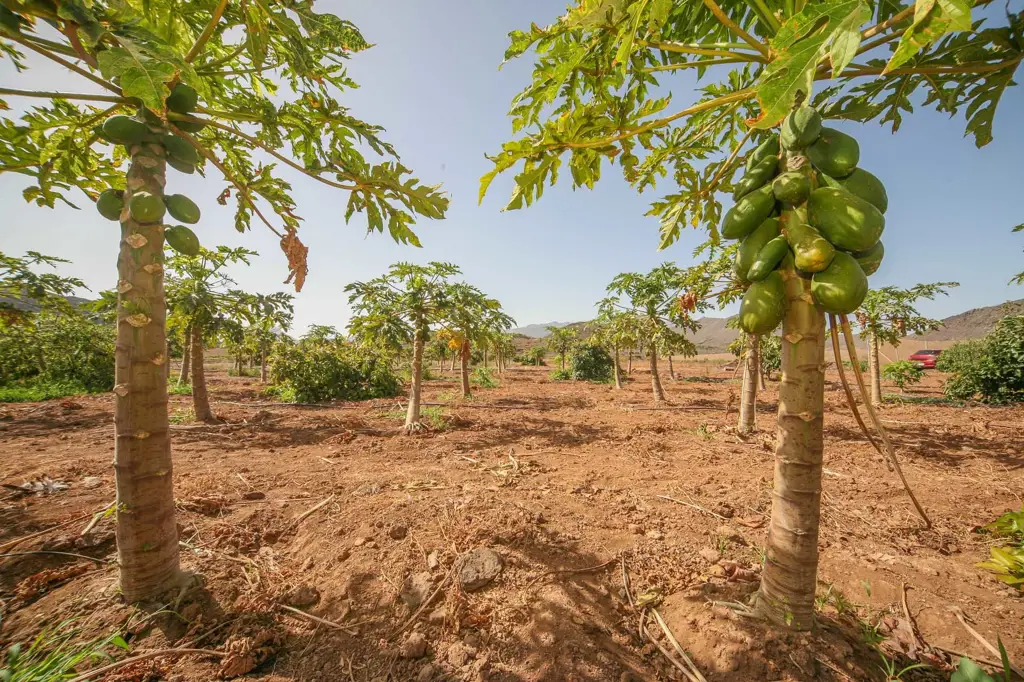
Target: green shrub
(315, 370)
(534, 357)
(483, 378)
(990, 370)
(57, 347)
(174, 388)
(38, 391)
(560, 375)
(55, 655)
(902, 373)
(1007, 562)
(588, 362)
(863, 364)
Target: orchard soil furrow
(554, 478)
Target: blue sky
(433, 81)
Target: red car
(925, 359)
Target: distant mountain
(539, 331)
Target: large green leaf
(932, 20)
(141, 76)
(830, 27)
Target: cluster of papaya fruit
(144, 207)
(804, 205)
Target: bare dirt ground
(553, 477)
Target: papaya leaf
(140, 76)
(969, 671)
(801, 43)
(932, 20)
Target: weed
(53, 655)
(182, 416)
(866, 584)
(1007, 562)
(870, 635)
(703, 431)
(174, 388)
(560, 375)
(435, 418)
(246, 372)
(892, 674)
(37, 392)
(483, 378)
(969, 671)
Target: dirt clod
(416, 589)
(479, 567)
(414, 646)
(303, 596)
(398, 531)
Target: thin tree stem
(885, 25)
(223, 60)
(218, 12)
(681, 48)
(71, 31)
(976, 67)
(63, 95)
(65, 63)
(765, 13)
(694, 65)
(724, 19)
(53, 46)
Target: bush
(57, 348)
(590, 363)
(902, 373)
(560, 375)
(533, 357)
(483, 378)
(38, 391)
(316, 371)
(990, 370)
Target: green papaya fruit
(182, 208)
(182, 239)
(792, 188)
(181, 166)
(188, 126)
(827, 181)
(146, 208)
(811, 251)
(800, 128)
(150, 118)
(769, 147)
(748, 213)
(871, 259)
(846, 220)
(763, 305)
(757, 177)
(752, 244)
(867, 187)
(768, 259)
(180, 149)
(841, 287)
(183, 99)
(834, 153)
(124, 130)
(110, 203)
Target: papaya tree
(470, 316)
(601, 95)
(614, 330)
(887, 315)
(398, 309)
(197, 290)
(268, 315)
(195, 86)
(560, 341)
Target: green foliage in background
(902, 373)
(320, 369)
(989, 369)
(56, 655)
(590, 362)
(484, 378)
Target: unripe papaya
(811, 251)
(841, 287)
(871, 259)
(110, 203)
(748, 213)
(834, 153)
(146, 208)
(846, 220)
(188, 126)
(180, 149)
(867, 187)
(124, 130)
(183, 99)
(792, 188)
(181, 166)
(752, 244)
(769, 147)
(756, 177)
(182, 208)
(182, 239)
(768, 259)
(800, 128)
(763, 305)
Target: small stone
(438, 616)
(432, 560)
(426, 673)
(303, 596)
(398, 532)
(628, 677)
(343, 554)
(655, 534)
(359, 542)
(479, 568)
(414, 646)
(540, 518)
(90, 482)
(416, 589)
(725, 510)
(710, 555)
(254, 495)
(472, 640)
(457, 655)
(636, 529)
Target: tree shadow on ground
(544, 431)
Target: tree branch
(65, 63)
(693, 65)
(891, 21)
(218, 12)
(71, 31)
(975, 67)
(222, 60)
(724, 19)
(64, 95)
(702, 50)
(53, 46)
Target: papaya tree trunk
(876, 372)
(659, 393)
(200, 396)
(789, 577)
(412, 415)
(671, 368)
(186, 357)
(465, 368)
(618, 370)
(748, 394)
(485, 357)
(263, 364)
(629, 361)
(455, 357)
(760, 373)
(167, 354)
(146, 530)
